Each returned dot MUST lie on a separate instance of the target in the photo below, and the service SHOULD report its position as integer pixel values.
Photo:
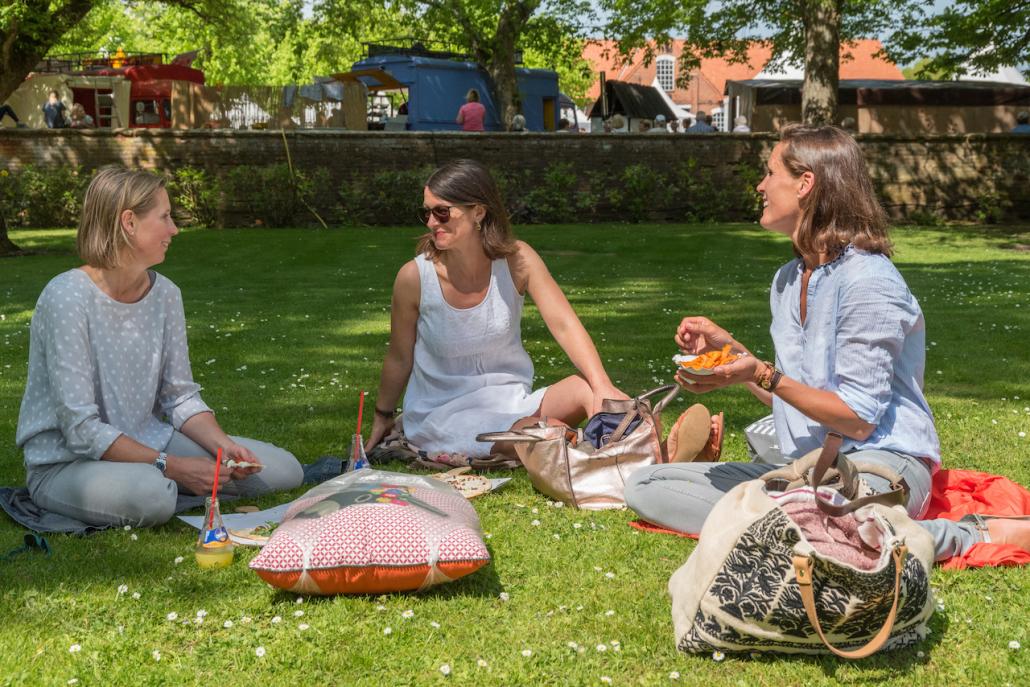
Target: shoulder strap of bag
(671, 392)
(830, 457)
(803, 574)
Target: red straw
(214, 489)
(361, 408)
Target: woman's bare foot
(1009, 531)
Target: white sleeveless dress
(470, 373)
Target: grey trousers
(103, 492)
(679, 496)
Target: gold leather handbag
(588, 468)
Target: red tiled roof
(857, 62)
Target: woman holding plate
(850, 349)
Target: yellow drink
(214, 556)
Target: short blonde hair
(101, 237)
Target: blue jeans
(679, 496)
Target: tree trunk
(501, 63)
(822, 61)
(7, 246)
(24, 41)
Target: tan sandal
(689, 435)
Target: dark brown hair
(842, 207)
(467, 182)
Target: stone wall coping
(462, 135)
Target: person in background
(81, 120)
(8, 111)
(848, 124)
(687, 123)
(472, 115)
(456, 348)
(643, 126)
(1022, 123)
(54, 112)
(659, 126)
(740, 125)
(674, 126)
(564, 126)
(701, 126)
(618, 124)
(518, 124)
(112, 424)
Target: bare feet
(1009, 531)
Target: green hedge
(273, 195)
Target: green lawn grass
(287, 325)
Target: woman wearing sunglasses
(455, 335)
(112, 424)
(850, 342)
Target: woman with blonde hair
(112, 425)
(850, 344)
(455, 327)
(472, 115)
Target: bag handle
(671, 392)
(510, 435)
(830, 457)
(803, 574)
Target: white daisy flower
(387, 630)
(136, 595)
(245, 620)
(535, 523)
(718, 655)
(435, 625)
(602, 647)
(73, 681)
(610, 575)
(1014, 645)
(606, 680)
(133, 536)
(303, 626)
(298, 614)
(674, 675)
(173, 616)
(127, 528)
(300, 600)
(227, 624)
(201, 613)
(609, 613)
(527, 652)
(503, 596)
(75, 648)
(481, 663)
(122, 588)
(178, 559)
(156, 654)
(408, 614)
(259, 652)
(572, 645)
(445, 669)
(277, 619)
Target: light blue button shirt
(864, 338)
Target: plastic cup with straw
(357, 459)
(214, 547)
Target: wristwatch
(771, 379)
(161, 462)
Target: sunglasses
(442, 213)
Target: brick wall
(954, 176)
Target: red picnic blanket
(955, 493)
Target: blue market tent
(437, 87)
